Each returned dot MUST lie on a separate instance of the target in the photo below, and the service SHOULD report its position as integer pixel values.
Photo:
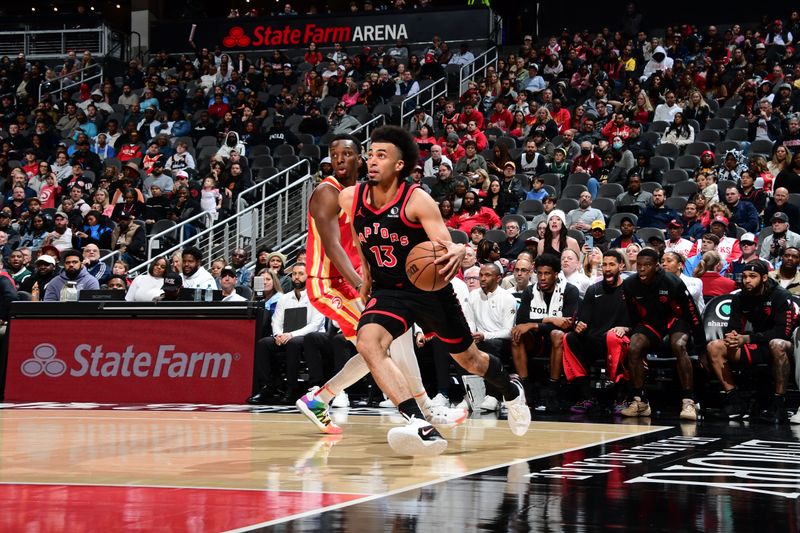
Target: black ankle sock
(687, 394)
(410, 408)
(496, 375)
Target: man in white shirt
(490, 313)
(666, 112)
(676, 242)
(432, 164)
(227, 282)
(295, 313)
(194, 275)
(571, 269)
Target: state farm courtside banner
(262, 33)
(130, 360)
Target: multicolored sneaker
(583, 407)
(317, 411)
(619, 407)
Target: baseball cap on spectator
(340, 67)
(527, 38)
(181, 174)
(629, 219)
(531, 240)
(287, 65)
(60, 214)
(510, 164)
(418, 167)
(173, 282)
(779, 216)
(46, 258)
(747, 237)
(533, 65)
(760, 46)
(3, 214)
(674, 224)
(598, 224)
(325, 159)
(719, 219)
(227, 271)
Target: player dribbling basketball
(390, 217)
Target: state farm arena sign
(243, 34)
(125, 361)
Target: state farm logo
(236, 37)
(95, 361)
(43, 361)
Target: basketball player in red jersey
(390, 217)
(332, 285)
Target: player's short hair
(346, 137)
(547, 260)
(616, 255)
(648, 253)
(402, 139)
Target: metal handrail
(221, 225)
(416, 98)
(72, 82)
(43, 44)
(468, 72)
(367, 126)
(240, 230)
(241, 203)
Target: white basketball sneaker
(416, 438)
(489, 403)
(795, 418)
(341, 400)
(519, 414)
(446, 417)
(440, 400)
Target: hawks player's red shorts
(337, 300)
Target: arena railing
(426, 97)
(55, 43)
(259, 189)
(479, 65)
(73, 79)
(364, 131)
(276, 221)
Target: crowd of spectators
(687, 144)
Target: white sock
(354, 369)
(402, 352)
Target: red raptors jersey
(317, 263)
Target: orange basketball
(420, 268)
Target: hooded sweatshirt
(660, 61)
(232, 142)
(84, 281)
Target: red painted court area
(79, 508)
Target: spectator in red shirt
(218, 109)
(616, 128)
(708, 270)
(501, 118)
(470, 113)
(472, 214)
(587, 161)
(561, 115)
(475, 134)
